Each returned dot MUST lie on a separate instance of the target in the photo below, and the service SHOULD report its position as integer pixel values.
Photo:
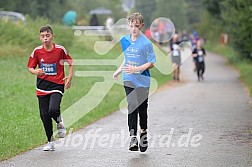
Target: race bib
(49, 69)
(175, 46)
(200, 53)
(176, 53)
(200, 58)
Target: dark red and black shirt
(52, 62)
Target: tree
(195, 9)
(213, 7)
(176, 11)
(147, 9)
(235, 19)
(237, 16)
(53, 10)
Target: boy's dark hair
(46, 28)
(136, 16)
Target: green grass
(243, 65)
(21, 127)
(19, 114)
(20, 39)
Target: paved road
(191, 124)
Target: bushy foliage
(53, 10)
(238, 21)
(234, 17)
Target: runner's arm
(118, 71)
(38, 71)
(194, 55)
(131, 69)
(68, 79)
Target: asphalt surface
(191, 124)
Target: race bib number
(49, 69)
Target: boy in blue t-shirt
(138, 58)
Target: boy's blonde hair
(136, 16)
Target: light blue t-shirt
(137, 53)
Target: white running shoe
(61, 129)
(49, 146)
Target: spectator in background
(70, 18)
(109, 22)
(94, 20)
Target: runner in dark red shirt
(47, 62)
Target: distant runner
(199, 54)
